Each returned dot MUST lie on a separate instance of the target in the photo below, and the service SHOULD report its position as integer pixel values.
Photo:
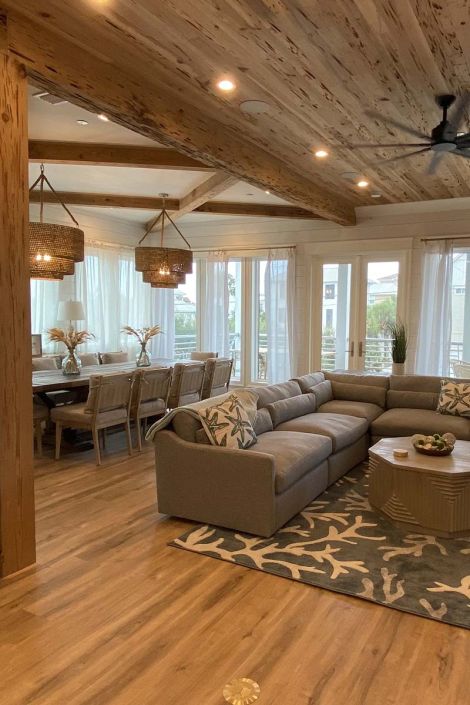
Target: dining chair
(203, 356)
(186, 384)
(108, 404)
(110, 358)
(149, 396)
(42, 364)
(88, 359)
(40, 414)
(461, 368)
(217, 376)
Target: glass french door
(360, 297)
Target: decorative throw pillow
(228, 424)
(454, 398)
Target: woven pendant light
(53, 248)
(163, 267)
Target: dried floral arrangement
(143, 335)
(70, 338)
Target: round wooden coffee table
(422, 492)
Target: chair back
(203, 356)
(151, 385)
(217, 376)
(110, 358)
(88, 359)
(109, 392)
(45, 363)
(461, 368)
(186, 385)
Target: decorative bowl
(433, 451)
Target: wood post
(17, 536)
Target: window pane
(382, 290)
(185, 317)
(460, 336)
(335, 316)
(235, 315)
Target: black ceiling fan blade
(389, 144)
(434, 163)
(463, 140)
(458, 114)
(461, 153)
(402, 156)
(397, 124)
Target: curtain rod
(240, 248)
(448, 237)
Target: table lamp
(70, 311)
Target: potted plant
(71, 363)
(399, 336)
(143, 336)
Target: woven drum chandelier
(163, 267)
(53, 249)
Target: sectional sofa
(310, 431)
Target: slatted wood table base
(422, 492)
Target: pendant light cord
(155, 222)
(40, 180)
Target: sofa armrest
(215, 485)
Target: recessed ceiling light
(226, 85)
(82, 123)
(268, 192)
(103, 117)
(376, 195)
(321, 153)
(254, 107)
(363, 183)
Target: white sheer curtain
(435, 326)
(279, 289)
(215, 304)
(45, 296)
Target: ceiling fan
(445, 137)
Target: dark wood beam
(138, 102)
(255, 209)
(112, 155)
(105, 200)
(17, 538)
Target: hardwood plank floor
(111, 615)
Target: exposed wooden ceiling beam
(112, 155)
(105, 200)
(265, 210)
(138, 102)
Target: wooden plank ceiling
(319, 66)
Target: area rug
(340, 543)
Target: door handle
(360, 348)
(351, 349)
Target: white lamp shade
(70, 311)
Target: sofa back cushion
(263, 422)
(356, 378)
(275, 392)
(397, 399)
(287, 409)
(306, 382)
(368, 393)
(323, 392)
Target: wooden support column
(17, 536)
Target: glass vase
(143, 358)
(71, 364)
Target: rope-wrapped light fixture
(163, 267)
(53, 248)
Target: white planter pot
(398, 368)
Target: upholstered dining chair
(88, 359)
(186, 384)
(40, 414)
(217, 376)
(42, 364)
(203, 356)
(149, 396)
(110, 358)
(108, 404)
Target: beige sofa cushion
(286, 409)
(361, 409)
(368, 393)
(274, 392)
(322, 392)
(397, 399)
(263, 422)
(341, 429)
(406, 422)
(356, 378)
(294, 455)
(306, 382)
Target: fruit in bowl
(435, 444)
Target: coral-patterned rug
(340, 543)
